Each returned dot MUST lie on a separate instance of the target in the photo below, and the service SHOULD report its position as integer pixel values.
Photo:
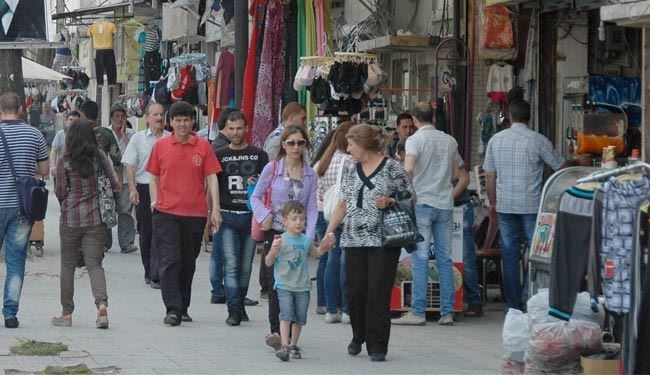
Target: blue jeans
(514, 228)
(216, 267)
(293, 306)
(470, 272)
(238, 251)
(335, 295)
(15, 229)
(321, 227)
(436, 223)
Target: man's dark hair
(90, 110)
(403, 116)
(292, 207)
(223, 117)
(237, 116)
(519, 111)
(117, 108)
(181, 109)
(10, 102)
(423, 112)
(72, 114)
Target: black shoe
(244, 317)
(250, 302)
(377, 357)
(11, 322)
(147, 280)
(155, 284)
(218, 300)
(234, 319)
(354, 348)
(172, 320)
(186, 318)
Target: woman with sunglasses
(289, 177)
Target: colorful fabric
(258, 13)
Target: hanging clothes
(271, 74)
(301, 43)
(642, 362)
(290, 61)
(500, 80)
(257, 11)
(225, 78)
(311, 48)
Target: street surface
(137, 342)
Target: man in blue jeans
(241, 165)
(431, 163)
(514, 165)
(29, 155)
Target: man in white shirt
(431, 164)
(135, 158)
(123, 206)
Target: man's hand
(266, 224)
(134, 196)
(216, 220)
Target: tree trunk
(11, 72)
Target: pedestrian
(404, 127)
(80, 225)
(135, 158)
(241, 166)
(58, 144)
(181, 166)
(334, 165)
(289, 257)
(289, 177)
(28, 152)
(222, 139)
(368, 188)
(293, 113)
(123, 205)
(106, 141)
(514, 165)
(431, 163)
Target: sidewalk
(137, 342)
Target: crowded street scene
(325, 186)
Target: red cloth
(226, 76)
(181, 169)
(257, 11)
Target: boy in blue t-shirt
(290, 256)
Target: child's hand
(277, 242)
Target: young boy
(290, 256)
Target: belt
(460, 203)
(236, 212)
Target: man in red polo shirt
(180, 166)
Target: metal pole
(241, 47)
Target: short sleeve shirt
(138, 151)
(291, 268)
(59, 141)
(102, 34)
(517, 155)
(240, 167)
(181, 169)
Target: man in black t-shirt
(241, 165)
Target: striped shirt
(27, 147)
(517, 155)
(152, 40)
(328, 180)
(79, 196)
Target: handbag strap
(339, 176)
(8, 152)
(275, 168)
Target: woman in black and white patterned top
(369, 187)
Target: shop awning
(34, 72)
(629, 14)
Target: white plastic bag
(515, 331)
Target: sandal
(62, 321)
(273, 340)
(102, 317)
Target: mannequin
(102, 33)
(152, 54)
(62, 56)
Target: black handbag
(398, 225)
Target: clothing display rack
(188, 59)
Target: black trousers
(177, 240)
(274, 304)
(105, 63)
(370, 273)
(151, 67)
(145, 230)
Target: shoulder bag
(398, 225)
(330, 198)
(32, 194)
(256, 228)
(105, 195)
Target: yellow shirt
(102, 34)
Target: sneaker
(283, 353)
(354, 348)
(409, 319)
(11, 322)
(295, 352)
(234, 318)
(447, 320)
(62, 321)
(244, 317)
(345, 318)
(264, 296)
(250, 302)
(217, 300)
(147, 281)
(186, 318)
(129, 249)
(332, 318)
(172, 320)
(377, 357)
(321, 310)
(155, 284)
(474, 310)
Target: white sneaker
(332, 318)
(345, 318)
(409, 319)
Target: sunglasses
(293, 143)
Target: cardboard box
(592, 366)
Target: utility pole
(241, 47)
(11, 72)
